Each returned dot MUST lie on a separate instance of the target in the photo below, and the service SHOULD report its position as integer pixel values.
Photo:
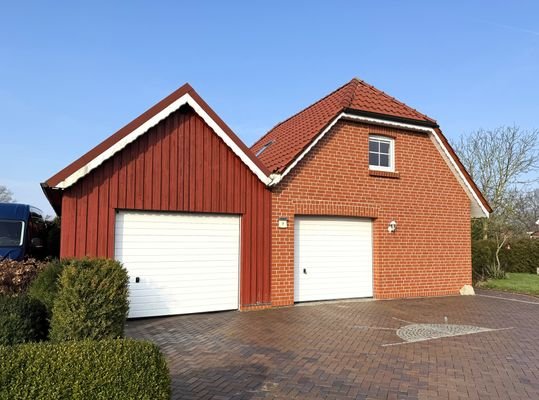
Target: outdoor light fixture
(283, 222)
(392, 227)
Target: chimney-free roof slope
(287, 142)
(290, 137)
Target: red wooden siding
(179, 165)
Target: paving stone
(331, 351)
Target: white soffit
(478, 210)
(142, 129)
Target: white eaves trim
(278, 177)
(478, 210)
(142, 129)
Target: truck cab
(22, 231)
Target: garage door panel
(190, 257)
(336, 254)
(169, 234)
(172, 244)
(177, 291)
(167, 237)
(168, 217)
(188, 281)
(164, 274)
(159, 309)
(185, 262)
(147, 296)
(171, 270)
(161, 248)
(161, 289)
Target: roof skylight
(264, 148)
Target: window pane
(374, 145)
(384, 160)
(10, 233)
(373, 159)
(384, 148)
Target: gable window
(381, 153)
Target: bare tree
(6, 195)
(527, 209)
(500, 161)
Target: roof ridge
(375, 89)
(302, 110)
(349, 97)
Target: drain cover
(420, 332)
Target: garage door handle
(137, 279)
(305, 271)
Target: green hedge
(108, 369)
(521, 255)
(44, 288)
(22, 320)
(92, 301)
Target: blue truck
(22, 231)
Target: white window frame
(391, 142)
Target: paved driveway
(351, 350)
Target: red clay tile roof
(290, 137)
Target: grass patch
(516, 282)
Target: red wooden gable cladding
(178, 165)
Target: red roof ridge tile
(376, 90)
(294, 134)
(349, 97)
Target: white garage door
(179, 263)
(332, 258)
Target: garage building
(357, 195)
(181, 201)
(376, 202)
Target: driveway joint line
(505, 298)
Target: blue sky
(72, 74)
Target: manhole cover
(419, 332)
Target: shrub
(483, 255)
(109, 369)
(21, 320)
(16, 276)
(484, 264)
(521, 256)
(518, 255)
(494, 271)
(45, 287)
(92, 301)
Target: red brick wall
(428, 255)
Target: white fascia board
(228, 140)
(278, 177)
(478, 210)
(142, 129)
